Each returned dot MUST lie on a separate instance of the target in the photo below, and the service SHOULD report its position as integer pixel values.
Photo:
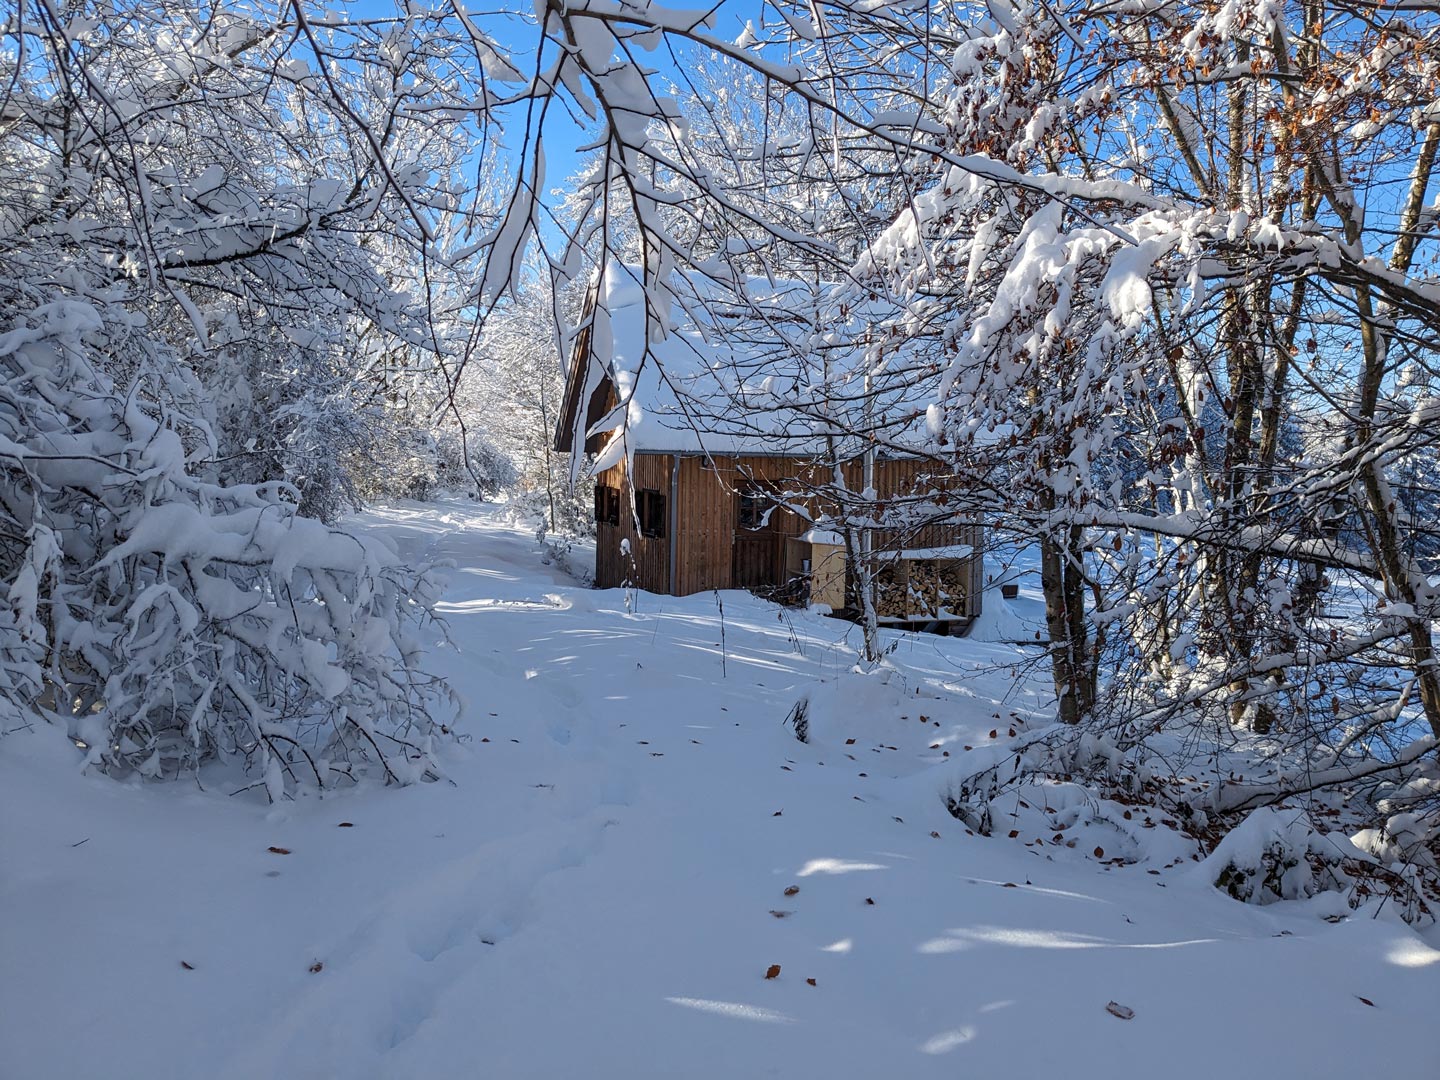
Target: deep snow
(601, 890)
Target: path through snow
(601, 890)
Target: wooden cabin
(686, 501)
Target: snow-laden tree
(1170, 267)
(1157, 285)
(281, 191)
(210, 219)
(1176, 255)
(517, 396)
(172, 619)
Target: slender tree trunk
(1403, 581)
(1062, 581)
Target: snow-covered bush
(1405, 848)
(489, 469)
(1277, 854)
(168, 620)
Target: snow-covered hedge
(168, 620)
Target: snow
(822, 536)
(999, 621)
(603, 887)
(742, 369)
(944, 551)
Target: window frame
(607, 505)
(651, 510)
(756, 503)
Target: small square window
(607, 505)
(650, 506)
(752, 510)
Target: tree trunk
(1062, 580)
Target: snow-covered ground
(604, 886)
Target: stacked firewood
(936, 585)
(892, 595)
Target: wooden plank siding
(703, 513)
(705, 553)
(648, 565)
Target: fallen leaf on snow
(1124, 1012)
(346, 825)
(773, 972)
(278, 850)
(1366, 1001)
(791, 890)
(191, 967)
(317, 966)
(811, 982)
(781, 914)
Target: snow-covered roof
(757, 367)
(827, 538)
(946, 551)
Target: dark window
(650, 505)
(752, 511)
(607, 505)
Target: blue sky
(514, 28)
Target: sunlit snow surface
(601, 891)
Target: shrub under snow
(167, 620)
(1277, 854)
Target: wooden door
(757, 543)
(755, 559)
